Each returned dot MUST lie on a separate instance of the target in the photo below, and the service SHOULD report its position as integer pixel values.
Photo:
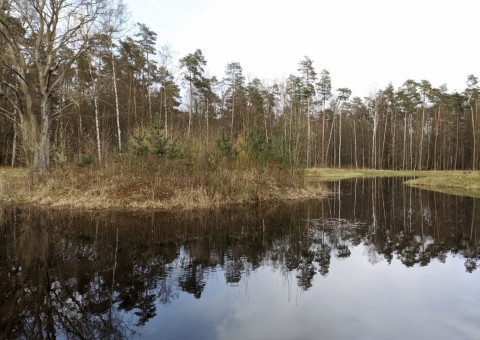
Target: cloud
(361, 43)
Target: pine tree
(193, 64)
(308, 77)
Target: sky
(364, 44)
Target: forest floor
(154, 186)
(463, 183)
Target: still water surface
(376, 260)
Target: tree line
(75, 82)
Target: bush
(253, 145)
(86, 160)
(225, 146)
(150, 141)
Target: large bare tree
(44, 38)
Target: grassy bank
(464, 183)
(456, 183)
(154, 184)
(163, 184)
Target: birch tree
(113, 25)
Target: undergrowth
(156, 172)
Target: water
(376, 260)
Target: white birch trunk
(95, 101)
(117, 108)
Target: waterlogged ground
(376, 260)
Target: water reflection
(66, 274)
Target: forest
(79, 83)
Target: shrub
(225, 145)
(253, 145)
(86, 160)
(151, 141)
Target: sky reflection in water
(357, 300)
(376, 260)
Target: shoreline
(454, 182)
(16, 188)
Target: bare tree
(44, 38)
(114, 23)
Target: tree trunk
(166, 111)
(149, 90)
(355, 142)
(14, 143)
(206, 117)
(323, 135)
(41, 156)
(95, 101)
(190, 109)
(290, 130)
(474, 153)
(382, 160)
(97, 128)
(117, 107)
(233, 115)
(437, 125)
(412, 165)
(308, 132)
(329, 140)
(394, 163)
(404, 159)
(374, 139)
(420, 151)
(340, 138)
(456, 148)
(266, 127)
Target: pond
(375, 260)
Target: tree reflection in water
(101, 275)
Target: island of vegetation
(94, 115)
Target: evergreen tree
(308, 77)
(325, 92)
(234, 82)
(147, 40)
(193, 64)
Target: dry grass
(12, 181)
(153, 183)
(165, 185)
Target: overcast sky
(364, 44)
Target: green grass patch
(463, 183)
(457, 183)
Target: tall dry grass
(196, 174)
